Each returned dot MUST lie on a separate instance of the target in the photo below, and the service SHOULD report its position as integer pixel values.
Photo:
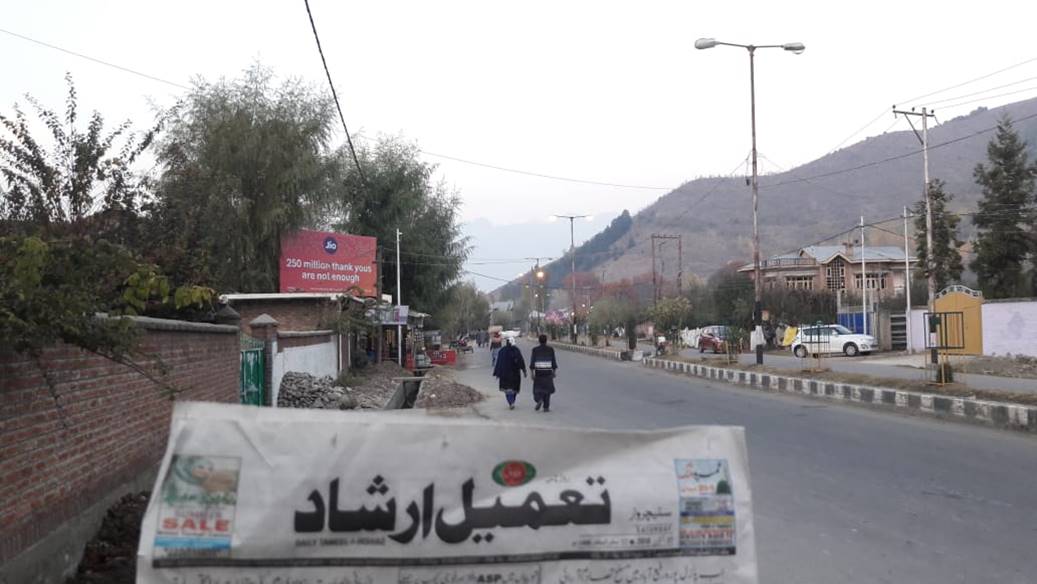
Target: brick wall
(291, 315)
(108, 424)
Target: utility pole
(655, 283)
(864, 283)
(924, 139)
(907, 283)
(680, 266)
(680, 257)
(399, 300)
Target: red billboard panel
(321, 261)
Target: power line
(95, 60)
(543, 175)
(891, 158)
(969, 82)
(989, 89)
(334, 95)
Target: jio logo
(330, 245)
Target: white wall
(318, 360)
(1010, 327)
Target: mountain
(806, 204)
(497, 246)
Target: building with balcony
(837, 268)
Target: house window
(834, 273)
(799, 282)
(876, 280)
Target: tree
(671, 314)
(83, 185)
(397, 191)
(244, 162)
(732, 295)
(946, 265)
(1006, 215)
(467, 311)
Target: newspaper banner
(251, 495)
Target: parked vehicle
(831, 338)
(713, 338)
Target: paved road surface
(841, 493)
(786, 360)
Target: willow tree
(243, 161)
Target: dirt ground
(1019, 366)
(111, 556)
(439, 390)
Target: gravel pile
(439, 390)
(302, 390)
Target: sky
(612, 92)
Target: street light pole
(572, 254)
(797, 48)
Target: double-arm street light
(572, 254)
(796, 48)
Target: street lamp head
(590, 218)
(796, 48)
(705, 43)
(540, 275)
(552, 218)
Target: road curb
(992, 413)
(597, 352)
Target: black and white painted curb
(596, 351)
(999, 414)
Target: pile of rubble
(302, 390)
(371, 389)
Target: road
(841, 493)
(873, 366)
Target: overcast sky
(606, 91)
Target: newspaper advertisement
(251, 495)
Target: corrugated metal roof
(881, 253)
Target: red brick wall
(291, 315)
(108, 424)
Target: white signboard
(260, 495)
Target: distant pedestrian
(543, 367)
(509, 364)
(495, 346)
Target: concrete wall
(1009, 326)
(78, 436)
(313, 352)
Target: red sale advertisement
(321, 261)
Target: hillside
(714, 215)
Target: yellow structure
(967, 330)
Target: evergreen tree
(946, 257)
(1006, 215)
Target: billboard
(321, 261)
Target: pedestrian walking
(509, 364)
(543, 367)
(495, 346)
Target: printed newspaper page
(250, 495)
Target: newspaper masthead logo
(512, 473)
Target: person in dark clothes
(543, 366)
(509, 364)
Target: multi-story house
(837, 268)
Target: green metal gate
(251, 388)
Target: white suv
(831, 338)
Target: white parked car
(831, 338)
